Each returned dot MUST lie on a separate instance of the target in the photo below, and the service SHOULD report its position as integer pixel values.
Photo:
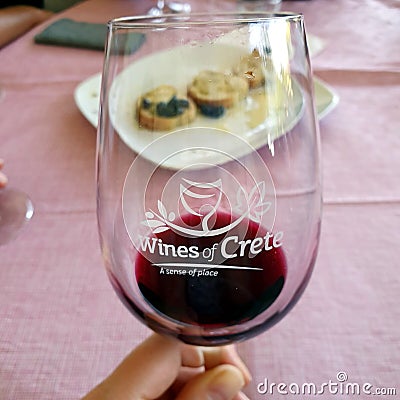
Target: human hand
(19, 19)
(161, 368)
(3, 178)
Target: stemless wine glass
(208, 172)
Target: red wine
(214, 280)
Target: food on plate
(250, 68)
(215, 91)
(163, 109)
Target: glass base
(16, 209)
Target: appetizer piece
(214, 91)
(163, 109)
(250, 68)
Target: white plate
(326, 98)
(87, 98)
(127, 88)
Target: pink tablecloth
(62, 328)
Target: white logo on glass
(252, 206)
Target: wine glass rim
(200, 18)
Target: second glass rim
(200, 19)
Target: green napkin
(69, 33)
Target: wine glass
(208, 172)
(163, 7)
(16, 209)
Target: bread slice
(217, 89)
(250, 68)
(163, 109)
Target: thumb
(219, 383)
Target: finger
(214, 356)
(185, 375)
(192, 356)
(223, 382)
(210, 357)
(3, 180)
(146, 372)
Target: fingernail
(225, 384)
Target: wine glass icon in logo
(206, 210)
(163, 220)
(202, 200)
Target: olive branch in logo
(254, 203)
(253, 206)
